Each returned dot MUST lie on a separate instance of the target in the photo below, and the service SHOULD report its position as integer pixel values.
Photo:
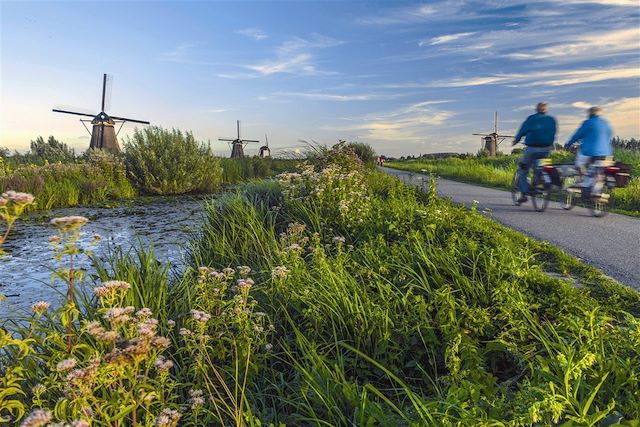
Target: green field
(498, 172)
(335, 296)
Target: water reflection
(25, 270)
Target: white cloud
(447, 38)
(624, 115)
(598, 45)
(544, 78)
(294, 57)
(253, 33)
(412, 123)
(605, 2)
(319, 96)
(581, 105)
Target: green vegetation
(156, 161)
(248, 168)
(60, 185)
(498, 172)
(332, 296)
(164, 162)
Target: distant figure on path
(596, 135)
(539, 131)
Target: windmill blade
(482, 134)
(107, 86)
(249, 140)
(72, 112)
(130, 120)
(226, 139)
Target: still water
(25, 269)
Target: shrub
(161, 161)
(364, 152)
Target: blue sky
(406, 77)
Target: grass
(72, 184)
(370, 303)
(498, 172)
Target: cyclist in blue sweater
(539, 131)
(596, 135)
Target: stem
(6, 233)
(70, 301)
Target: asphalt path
(611, 243)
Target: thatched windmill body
(492, 140)
(237, 144)
(103, 133)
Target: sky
(406, 77)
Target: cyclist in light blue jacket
(596, 135)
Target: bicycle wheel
(540, 191)
(515, 189)
(570, 194)
(599, 205)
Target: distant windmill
(264, 150)
(492, 140)
(237, 145)
(103, 134)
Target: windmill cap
(542, 107)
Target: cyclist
(539, 131)
(596, 135)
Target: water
(25, 269)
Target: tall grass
(389, 307)
(248, 168)
(498, 172)
(71, 184)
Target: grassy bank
(498, 172)
(335, 296)
(72, 184)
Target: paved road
(611, 243)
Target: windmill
(237, 145)
(264, 150)
(103, 134)
(492, 140)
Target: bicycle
(595, 188)
(540, 185)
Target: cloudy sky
(406, 77)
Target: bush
(364, 152)
(161, 161)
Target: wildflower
(38, 389)
(144, 313)
(40, 307)
(55, 239)
(196, 398)
(163, 364)
(339, 239)
(69, 222)
(38, 418)
(168, 418)
(161, 342)
(111, 288)
(66, 364)
(18, 198)
(171, 323)
(80, 423)
(147, 328)
(280, 272)
(185, 332)
(3, 202)
(119, 315)
(228, 271)
(244, 270)
(259, 314)
(199, 316)
(268, 347)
